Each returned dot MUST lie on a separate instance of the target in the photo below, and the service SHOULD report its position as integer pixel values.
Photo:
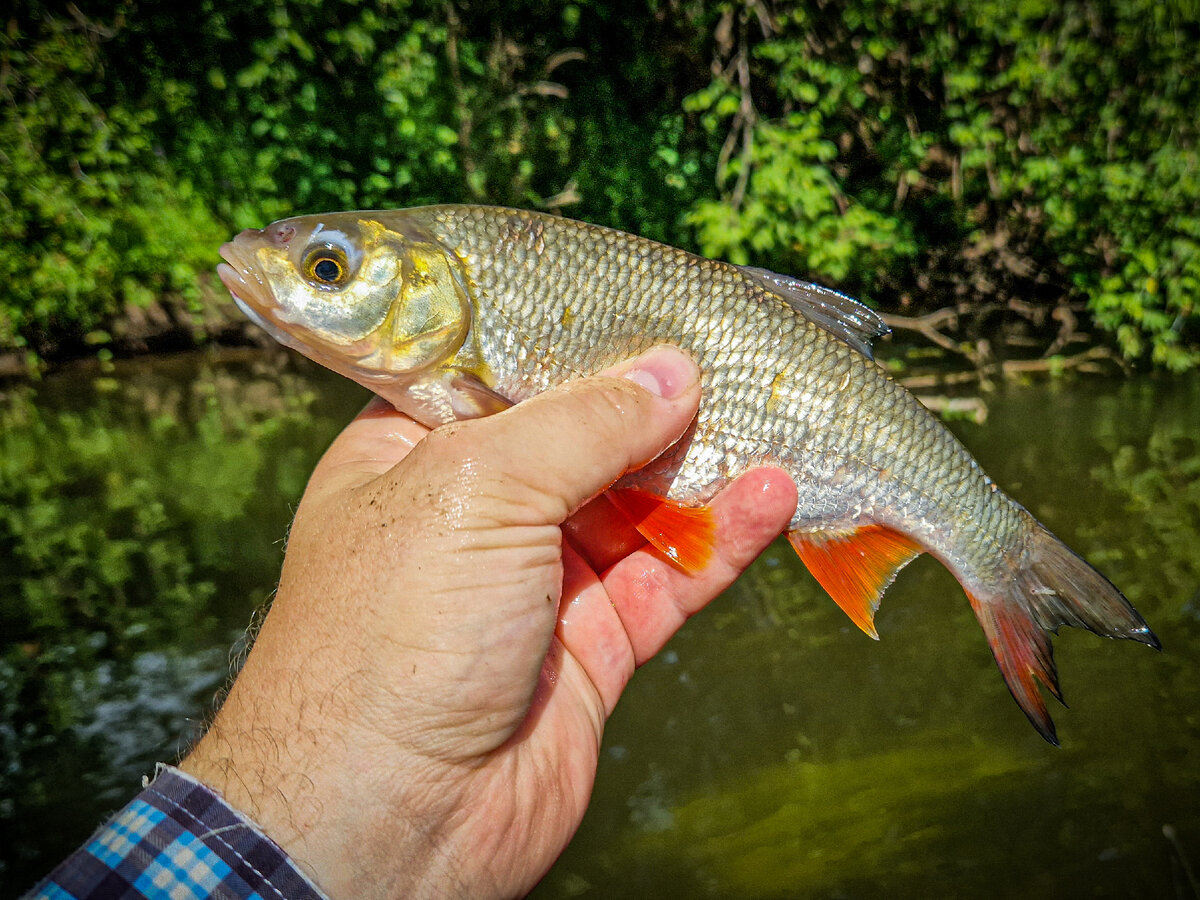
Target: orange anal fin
(856, 567)
(1024, 655)
(684, 534)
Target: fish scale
(459, 311)
(495, 262)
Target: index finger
(654, 598)
(373, 443)
(613, 622)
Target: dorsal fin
(844, 317)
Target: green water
(770, 751)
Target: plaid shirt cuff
(177, 839)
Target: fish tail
(1043, 586)
(1046, 586)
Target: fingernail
(664, 372)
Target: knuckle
(613, 406)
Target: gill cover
(432, 314)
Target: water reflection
(771, 750)
(141, 519)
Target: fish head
(379, 303)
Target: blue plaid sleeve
(177, 839)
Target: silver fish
(452, 312)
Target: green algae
(805, 825)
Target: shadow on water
(770, 751)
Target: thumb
(546, 457)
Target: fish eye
(326, 266)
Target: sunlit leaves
(911, 151)
(91, 215)
(1027, 148)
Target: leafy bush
(1019, 161)
(92, 217)
(1037, 152)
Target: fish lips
(241, 278)
(252, 294)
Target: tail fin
(1051, 587)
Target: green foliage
(377, 102)
(1081, 132)
(92, 217)
(1019, 159)
(1006, 149)
(783, 199)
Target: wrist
(336, 804)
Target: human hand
(421, 714)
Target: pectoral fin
(856, 567)
(684, 534)
(470, 398)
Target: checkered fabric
(178, 840)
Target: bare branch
(1087, 361)
(927, 326)
(573, 54)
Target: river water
(771, 750)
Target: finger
(538, 462)
(590, 630)
(654, 598)
(615, 622)
(601, 533)
(374, 441)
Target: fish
(458, 311)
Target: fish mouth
(240, 277)
(251, 293)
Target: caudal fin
(1051, 587)
(1043, 588)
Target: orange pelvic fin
(684, 534)
(856, 567)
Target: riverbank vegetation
(1013, 181)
